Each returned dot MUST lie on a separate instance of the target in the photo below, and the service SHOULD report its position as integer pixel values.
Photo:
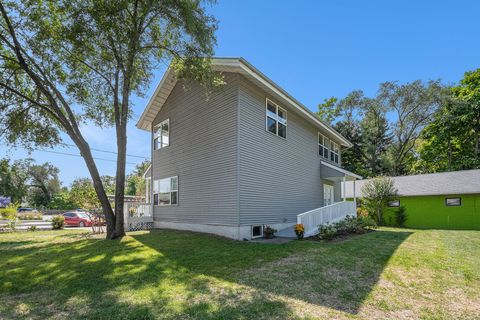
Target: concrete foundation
(232, 232)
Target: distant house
(448, 200)
(249, 155)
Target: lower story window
(165, 191)
(257, 231)
(453, 202)
(393, 203)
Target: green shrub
(349, 225)
(327, 231)
(362, 212)
(401, 216)
(32, 228)
(30, 216)
(366, 222)
(10, 212)
(11, 225)
(58, 222)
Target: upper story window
(276, 119)
(334, 152)
(323, 144)
(165, 191)
(161, 136)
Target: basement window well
(257, 231)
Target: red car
(77, 219)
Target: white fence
(332, 213)
(138, 216)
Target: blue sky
(315, 50)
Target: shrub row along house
(247, 156)
(449, 200)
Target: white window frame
(160, 135)
(276, 119)
(394, 203)
(261, 231)
(447, 204)
(157, 192)
(324, 144)
(334, 151)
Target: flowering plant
(299, 230)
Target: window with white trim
(334, 152)
(393, 203)
(453, 202)
(161, 136)
(165, 191)
(257, 231)
(276, 121)
(323, 143)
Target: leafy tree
(43, 184)
(414, 105)
(329, 110)
(13, 179)
(375, 195)
(468, 112)
(63, 201)
(83, 195)
(451, 140)
(66, 62)
(352, 158)
(375, 138)
(135, 181)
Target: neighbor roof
(234, 65)
(444, 183)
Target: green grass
(391, 273)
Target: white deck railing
(137, 216)
(332, 213)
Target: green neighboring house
(447, 200)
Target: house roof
(444, 183)
(241, 66)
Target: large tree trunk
(98, 186)
(120, 180)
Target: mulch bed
(340, 237)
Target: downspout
(151, 169)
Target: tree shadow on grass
(334, 275)
(122, 280)
(172, 274)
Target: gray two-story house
(242, 157)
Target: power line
(105, 151)
(77, 155)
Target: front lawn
(391, 273)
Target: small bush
(30, 216)
(366, 222)
(58, 222)
(362, 212)
(11, 225)
(349, 225)
(299, 230)
(268, 232)
(32, 228)
(10, 212)
(327, 231)
(401, 216)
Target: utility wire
(77, 155)
(106, 151)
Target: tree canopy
(67, 62)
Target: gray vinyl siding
(279, 178)
(202, 153)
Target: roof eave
(243, 66)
